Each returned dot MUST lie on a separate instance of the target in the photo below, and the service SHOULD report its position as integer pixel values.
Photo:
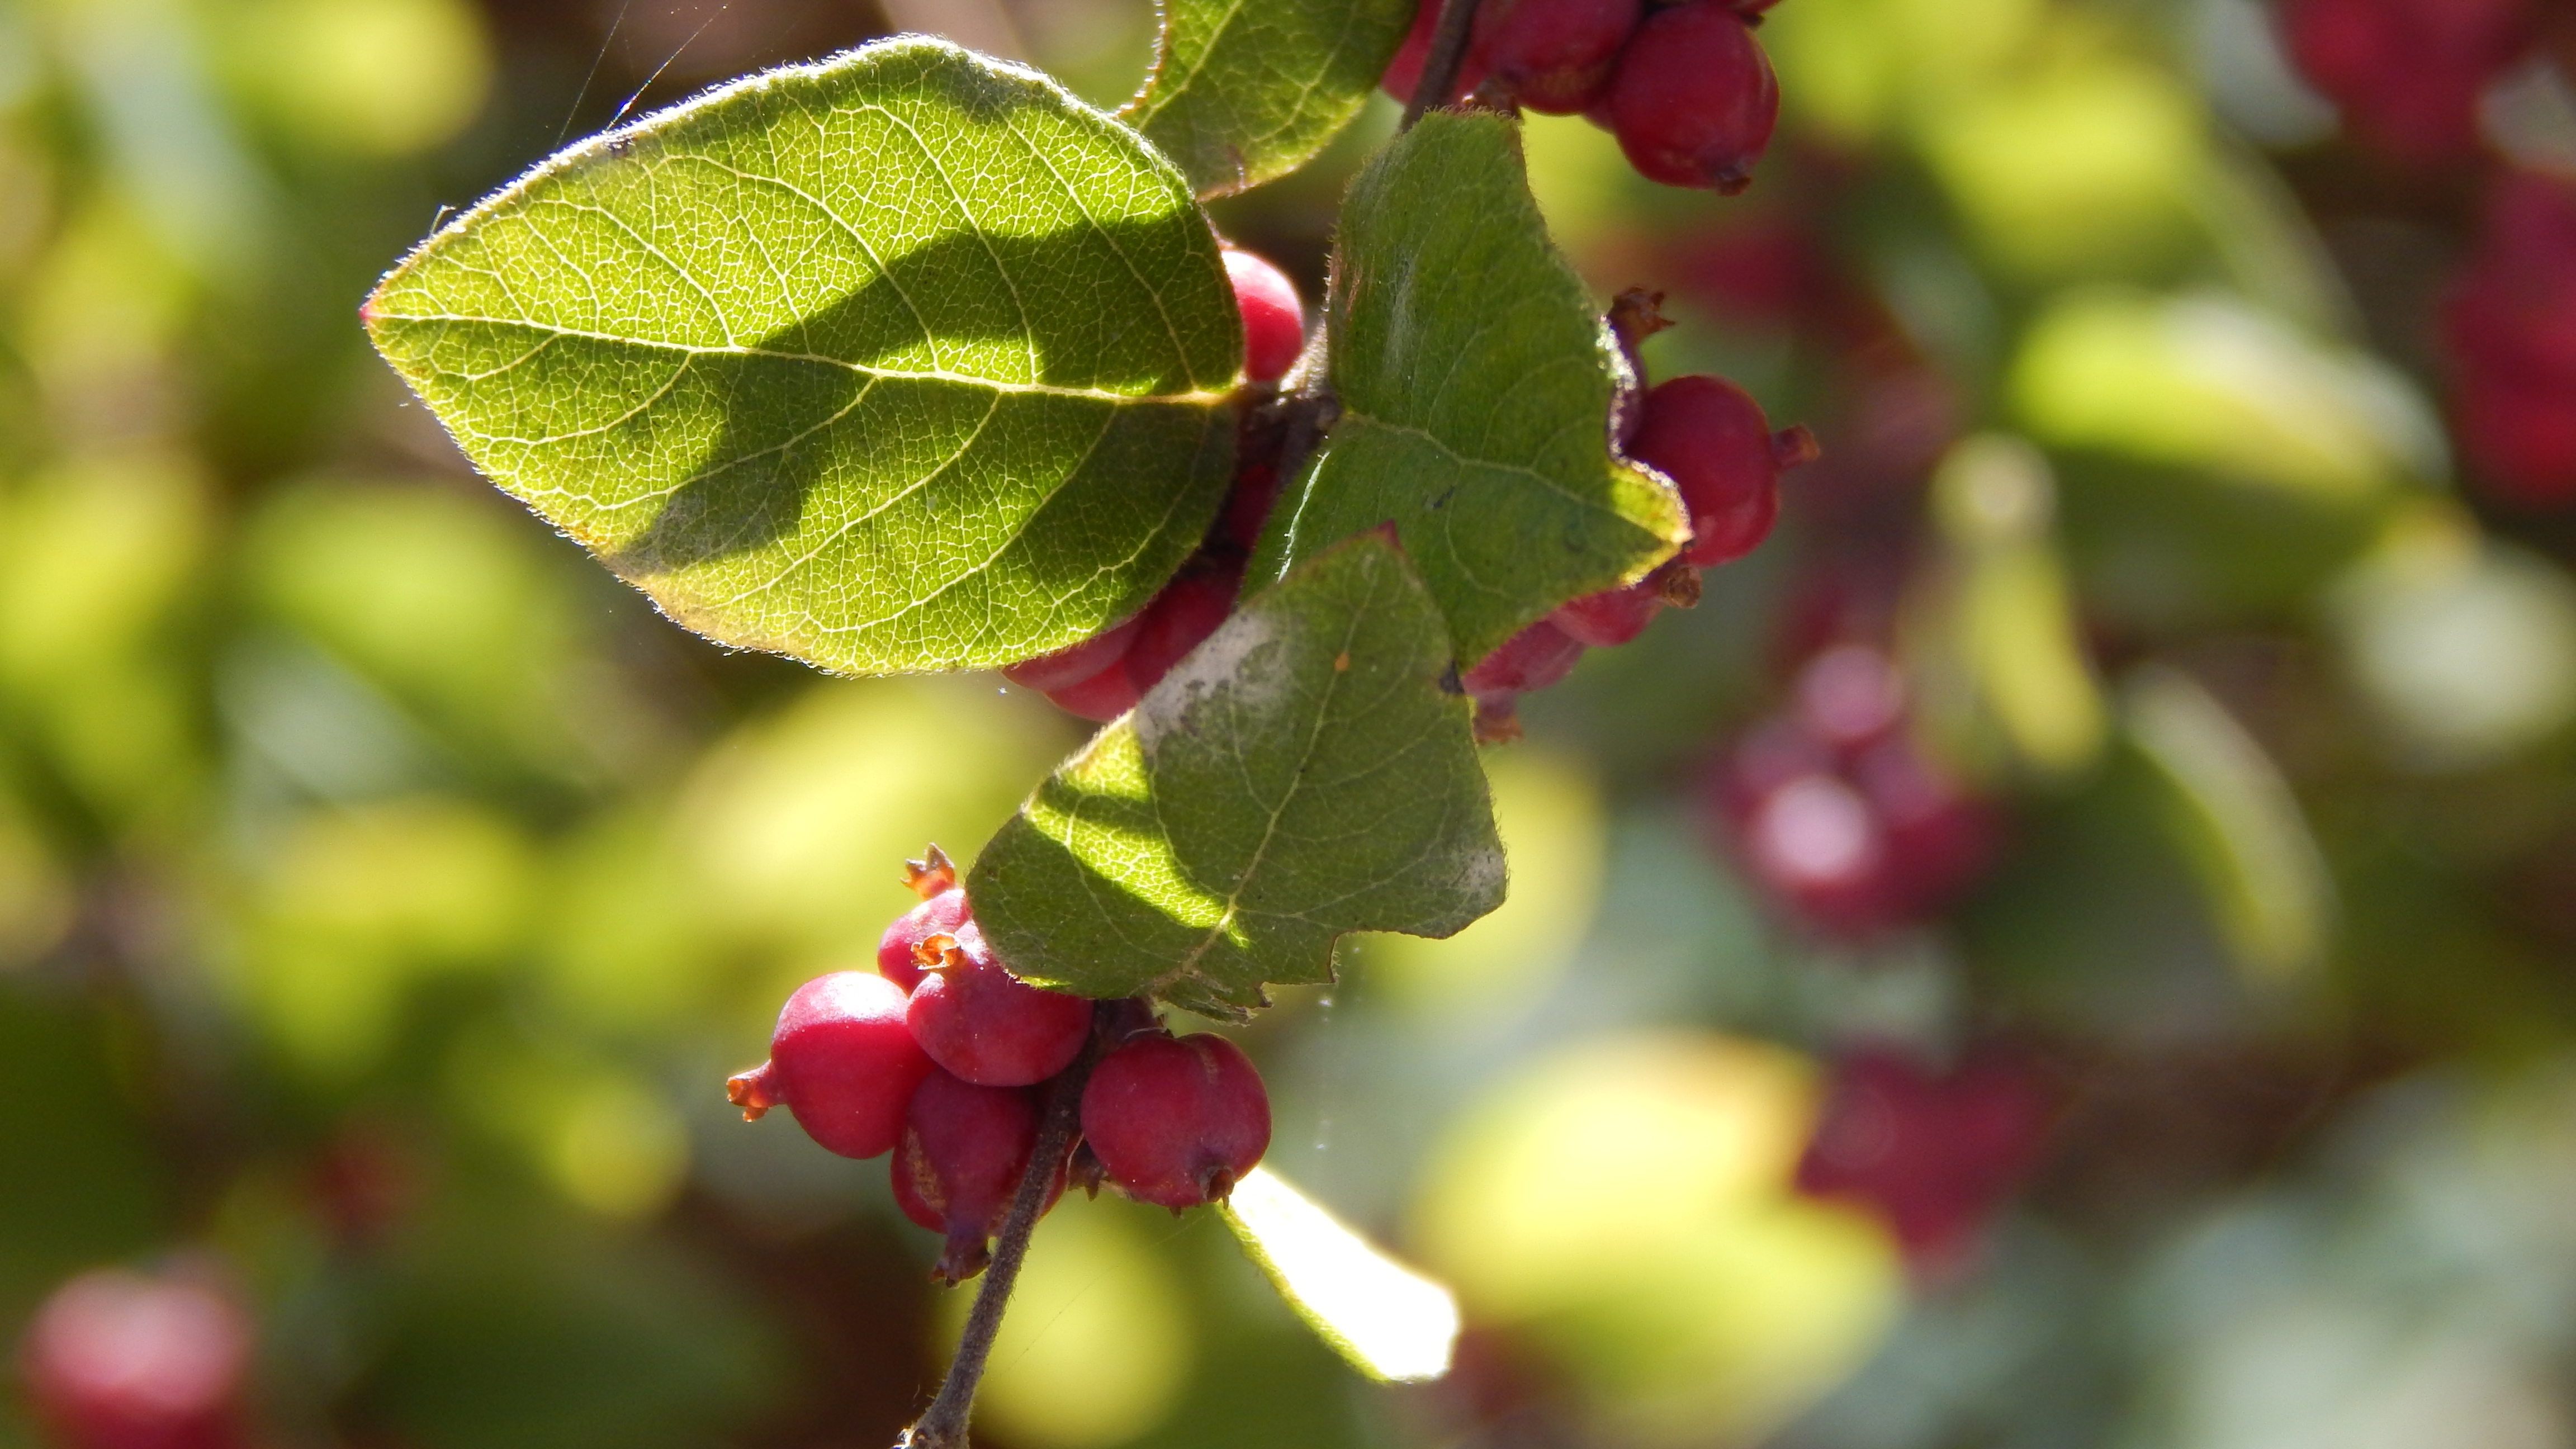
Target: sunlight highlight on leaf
(1391, 1322)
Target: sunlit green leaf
(1246, 91)
(908, 360)
(1390, 1322)
(1475, 383)
(2234, 815)
(1303, 774)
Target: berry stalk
(1448, 53)
(943, 1424)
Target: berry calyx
(121, 1360)
(1612, 617)
(842, 1061)
(1710, 438)
(963, 1151)
(985, 1025)
(1176, 1121)
(1555, 55)
(1274, 318)
(1693, 99)
(898, 950)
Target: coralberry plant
(908, 360)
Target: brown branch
(943, 1424)
(1440, 67)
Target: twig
(943, 1424)
(1440, 67)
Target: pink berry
(1693, 99)
(898, 958)
(987, 1026)
(1611, 617)
(1176, 1121)
(1710, 438)
(842, 1060)
(1181, 617)
(1817, 843)
(1405, 71)
(963, 1152)
(1274, 319)
(1076, 663)
(1556, 55)
(2407, 74)
(1850, 695)
(119, 1360)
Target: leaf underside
(1475, 381)
(1246, 91)
(905, 360)
(1301, 775)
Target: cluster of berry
(2509, 326)
(2407, 74)
(1681, 83)
(943, 1058)
(1934, 1152)
(1102, 677)
(1710, 438)
(1831, 806)
(123, 1360)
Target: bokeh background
(385, 890)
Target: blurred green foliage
(385, 891)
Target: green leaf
(1475, 382)
(1389, 1321)
(906, 360)
(1246, 91)
(1302, 774)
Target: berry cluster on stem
(991, 1094)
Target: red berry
(1247, 508)
(1075, 663)
(1188, 610)
(1274, 319)
(1710, 438)
(1935, 1152)
(1405, 71)
(2407, 74)
(118, 1360)
(2509, 327)
(1532, 659)
(842, 1060)
(1611, 617)
(1556, 55)
(898, 960)
(1693, 100)
(1176, 1121)
(963, 1152)
(988, 1026)
(1939, 837)
(1104, 696)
